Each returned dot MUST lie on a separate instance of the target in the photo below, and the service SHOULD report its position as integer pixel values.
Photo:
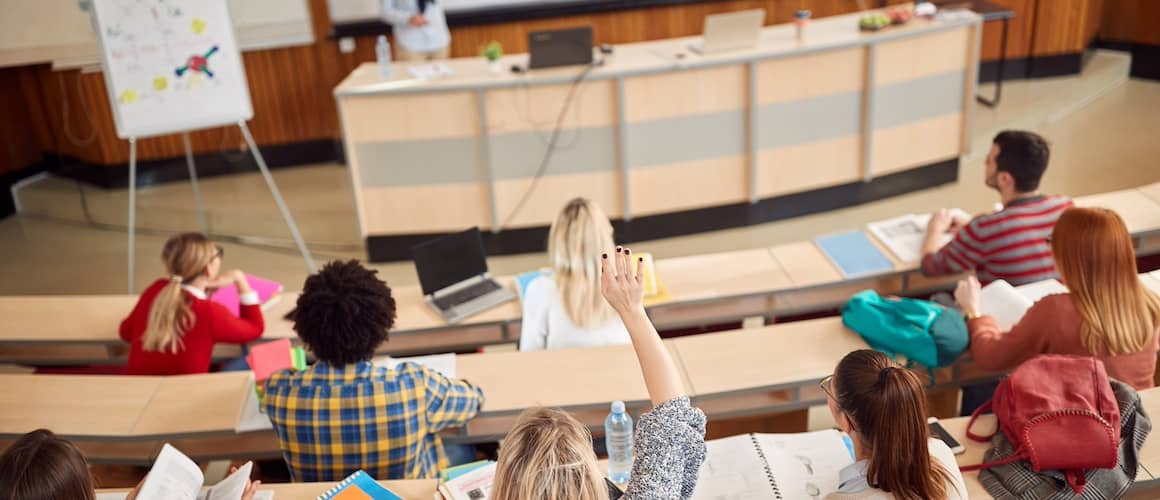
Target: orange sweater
(1052, 326)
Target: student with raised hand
(344, 413)
(1107, 312)
(1010, 244)
(882, 406)
(564, 309)
(41, 466)
(549, 456)
(174, 326)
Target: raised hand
(622, 281)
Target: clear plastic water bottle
(383, 54)
(618, 440)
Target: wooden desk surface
(514, 381)
(422, 489)
(742, 360)
(712, 276)
(1140, 213)
(805, 264)
(74, 405)
(192, 404)
(1152, 191)
(76, 318)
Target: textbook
(904, 235)
(474, 485)
(359, 486)
(853, 254)
(1008, 304)
(175, 477)
(776, 466)
(269, 293)
(459, 470)
(267, 358)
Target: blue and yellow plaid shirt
(334, 421)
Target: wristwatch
(969, 315)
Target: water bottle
(383, 54)
(618, 440)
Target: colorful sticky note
(129, 96)
(160, 83)
(198, 25)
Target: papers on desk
(853, 254)
(430, 71)
(789, 466)
(904, 235)
(1008, 304)
(442, 363)
(175, 477)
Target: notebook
(775, 466)
(904, 235)
(854, 254)
(269, 292)
(359, 486)
(474, 485)
(459, 470)
(1008, 304)
(269, 357)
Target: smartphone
(939, 432)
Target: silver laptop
(453, 275)
(731, 31)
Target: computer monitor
(564, 47)
(450, 259)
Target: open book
(773, 466)
(175, 477)
(904, 235)
(1008, 304)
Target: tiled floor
(71, 237)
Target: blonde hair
(578, 236)
(1094, 254)
(185, 256)
(548, 456)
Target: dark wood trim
(7, 202)
(1033, 67)
(168, 170)
(524, 240)
(1145, 57)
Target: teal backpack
(924, 332)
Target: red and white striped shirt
(1011, 244)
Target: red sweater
(212, 323)
(1052, 326)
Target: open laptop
(564, 47)
(731, 31)
(453, 275)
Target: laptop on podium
(730, 31)
(453, 275)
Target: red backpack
(1059, 413)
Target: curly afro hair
(344, 313)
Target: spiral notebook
(359, 486)
(773, 466)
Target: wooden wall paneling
(1018, 32)
(19, 146)
(1061, 24)
(1135, 21)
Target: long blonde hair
(185, 257)
(1094, 255)
(548, 456)
(578, 236)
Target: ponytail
(169, 318)
(186, 256)
(887, 404)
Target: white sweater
(546, 325)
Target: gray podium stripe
(809, 120)
(915, 100)
(686, 138)
(410, 163)
(584, 150)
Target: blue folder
(854, 254)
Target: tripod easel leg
(278, 197)
(193, 182)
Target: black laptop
(555, 48)
(453, 274)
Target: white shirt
(546, 325)
(852, 483)
(429, 38)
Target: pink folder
(266, 358)
(228, 296)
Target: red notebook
(228, 296)
(269, 357)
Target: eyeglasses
(825, 384)
(220, 251)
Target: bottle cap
(618, 407)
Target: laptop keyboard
(466, 295)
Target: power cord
(551, 146)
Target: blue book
(359, 486)
(854, 254)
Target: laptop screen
(447, 260)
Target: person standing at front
(420, 29)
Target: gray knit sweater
(669, 449)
